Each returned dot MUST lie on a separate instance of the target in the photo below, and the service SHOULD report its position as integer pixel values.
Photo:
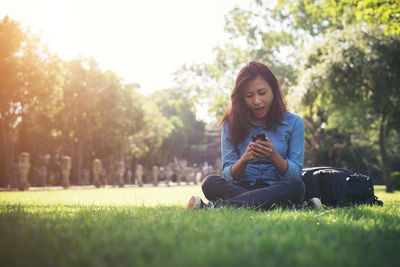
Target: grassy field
(151, 227)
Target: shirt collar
(283, 121)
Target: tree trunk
(79, 161)
(4, 151)
(79, 158)
(8, 142)
(383, 123)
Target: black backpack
(339, 187)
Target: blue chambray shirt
(288, 140)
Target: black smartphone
(256, 137)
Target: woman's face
(258, 96)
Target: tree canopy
(336, 71)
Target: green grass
(150, 227)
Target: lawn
(151, 227)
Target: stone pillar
(42, 175)
(24, 164)
(120, 173)
(168, 174)
(96, 169)
(65, 171)
(139, 174)
(155, 175)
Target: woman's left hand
(263, 149)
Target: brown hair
(237, 114)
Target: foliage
(396, 180)
(342, 114)
(148, 140)
(317, 17)
(187, 130)
(52, 108)
(352, 75)
(28, 87)
(386, 12)
(108, 227)
(253, 36)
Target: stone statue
(96, 169)
(120, 173)
(24, 164)
(139, 174)
(65, 171)
(42, 175)
(155, 173)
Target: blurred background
(145, 82)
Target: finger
(253, 155)
(260, 145)
(262, 142)
(261, 155)
(257, 155)
(266, 144)
(263, 149)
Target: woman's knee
(297, 186)
(209, 181)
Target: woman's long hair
(237, 114)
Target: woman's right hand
(238, 168)
(248, 155)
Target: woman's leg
(291, 189)
(216, 187)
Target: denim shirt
(288, 139)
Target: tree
(28, 83)
(319, 16)
(356, 72)
(187, 130)
(145, 144)
(253, 36)
(99, 114)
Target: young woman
(258, 173)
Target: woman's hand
(249, 155)
(238, 168)
(263, 149)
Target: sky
(143, 41)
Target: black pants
(261, 195)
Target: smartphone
(256, 137)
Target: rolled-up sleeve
(229, 153)
(295, 155)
